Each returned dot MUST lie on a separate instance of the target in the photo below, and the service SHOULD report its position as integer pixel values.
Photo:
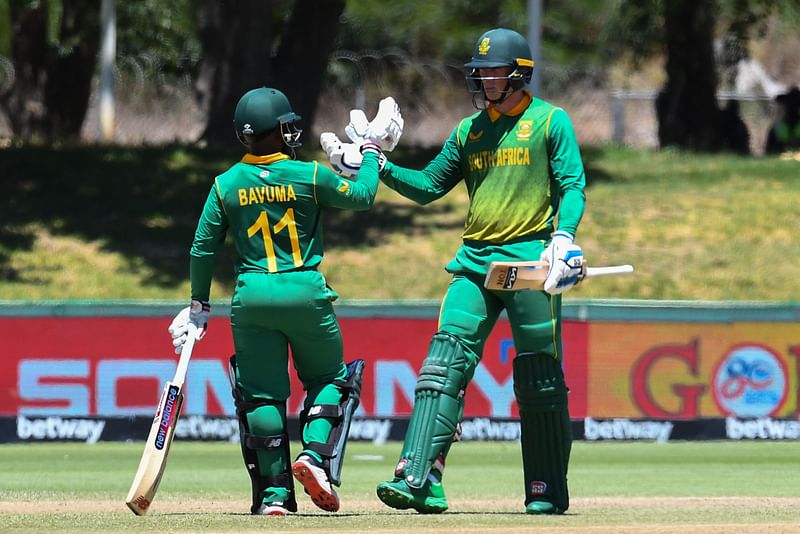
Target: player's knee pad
(341, 416)
(252, 443)
(438, 407)
(546, 435)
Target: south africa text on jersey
(486, 159)
(266, 193)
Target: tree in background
(54, 48)
(250, 43)
(684, 32)
(224, 47)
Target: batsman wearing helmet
(271, 205)
(522, 167)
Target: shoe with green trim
(429, 499)
(542, 508)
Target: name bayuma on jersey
(266, 194)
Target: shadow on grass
(144, 203)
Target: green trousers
(469, 312)
(272, 314)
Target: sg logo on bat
(510, 278)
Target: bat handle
(192, 335)
(613, 269)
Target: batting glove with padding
(385, 129)
(196, 313)
(358, 127)
(566, 264)
(345, 158)
(387, 126)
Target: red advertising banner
(112, 366)
(81, 366)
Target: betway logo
(763, 428)
(374, 430)
(483, 428)
(57, 428)
(625, 429)
(204, 428)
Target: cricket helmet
(260, 111)
(500, 47)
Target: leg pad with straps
(438, 406)
(341, 416)
(261, 478)
(546, 438)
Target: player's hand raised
(384, 130)
(345, 158)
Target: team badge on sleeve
(344, 187)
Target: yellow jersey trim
(547, 125)
(458, 133)
(314, 181)
(219, 194)
(252, 159)
(554, 320)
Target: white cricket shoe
(275, 508)
(314, 479)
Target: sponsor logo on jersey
(344, 187)
(524, 130)
(484, 47)
(474, 136)
(263, 174)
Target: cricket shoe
(542, 508)
(274, 508)
(429, 499)
(308, 472)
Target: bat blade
(517, 275)
(156, 449)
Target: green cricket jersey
(272, 205)
(520, 169)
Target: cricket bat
(156, 448)
(516, 275)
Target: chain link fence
(152, 108)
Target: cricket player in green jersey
(522, 167)
(271, 205)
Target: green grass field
(615, 487)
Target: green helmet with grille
(260, 111)
(500, 47)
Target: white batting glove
(358, 126)
(345, 158)
(196, 313)
(387, 126)
(385, 129)
(566, 262)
